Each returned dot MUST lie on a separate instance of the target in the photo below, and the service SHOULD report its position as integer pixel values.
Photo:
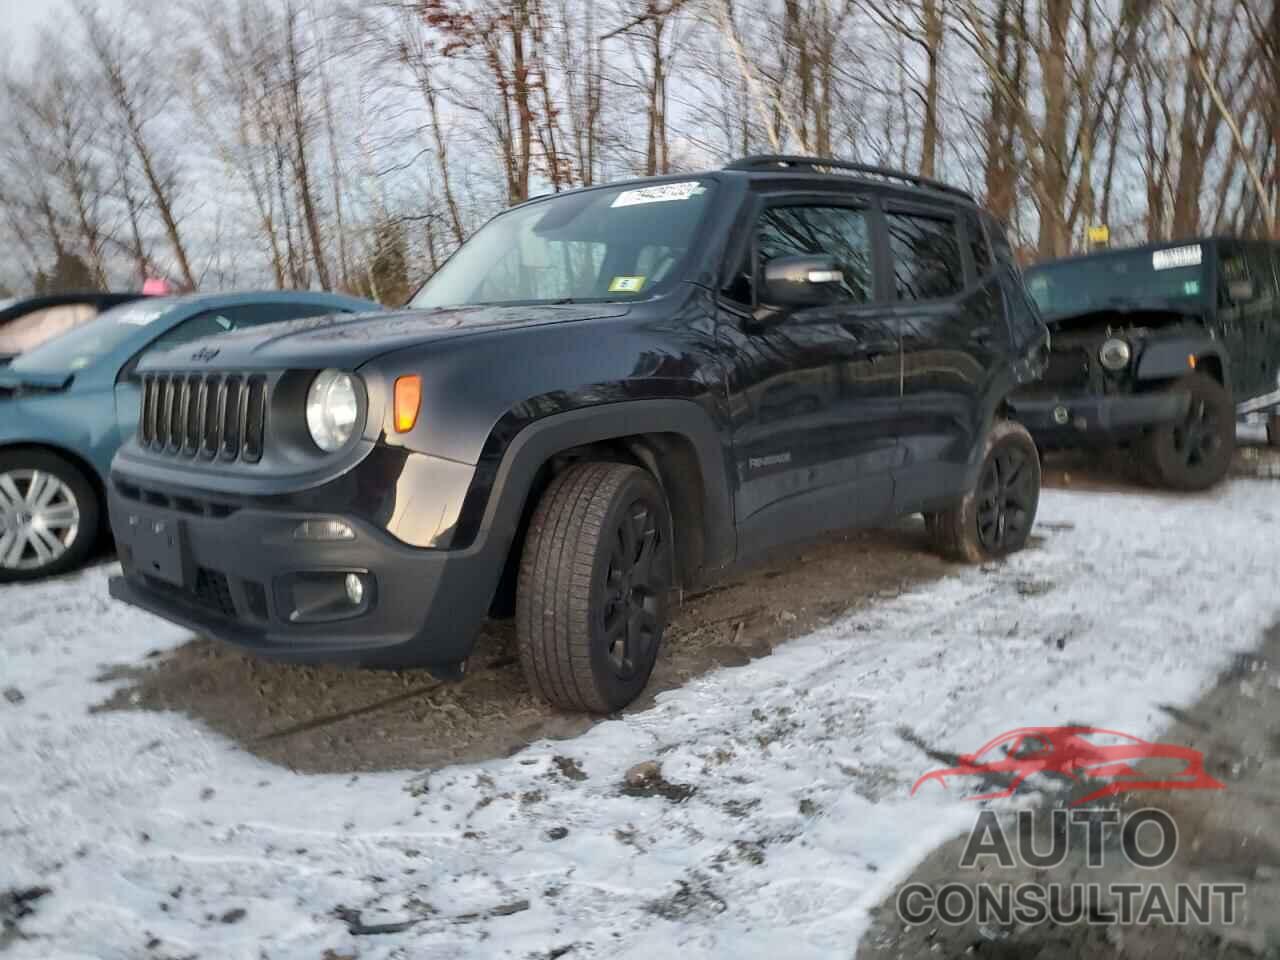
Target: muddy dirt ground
(334, 720)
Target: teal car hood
(12, 381)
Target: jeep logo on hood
(205, 354)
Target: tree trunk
(932, 23)
(298, 154)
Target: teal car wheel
(48, 516)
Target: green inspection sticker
(1191, 288)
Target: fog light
(323, 596)
(1114, 354)
(1061, 415)
(325, 531)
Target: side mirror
(1242, 291)
(808, 281)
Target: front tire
(1195, 452)
(1273, 430)
(995, 518)
(591, 602)
(49, 516)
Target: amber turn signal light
(408, 400)
(1191, 360)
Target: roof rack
(826, 164)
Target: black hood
(347, 341)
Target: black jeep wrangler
(1158, 349)
(604, 395)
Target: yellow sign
(626, 284)
(1100, 235)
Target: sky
(20, 22)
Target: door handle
(872, 354)
(982, 335)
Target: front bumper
(231, 572)
(1072, 419)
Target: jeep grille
(214, 415)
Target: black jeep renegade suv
(604, 395)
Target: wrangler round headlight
(332, 409)
(1115, 354)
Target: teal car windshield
(617, 243)
(83, 346)
(1130, 278)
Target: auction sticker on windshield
(140, 316)
(660, 193)
(1177, 257)
(626, 284)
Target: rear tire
(591, 603)
(49, 515)
(994, 519)
(1195, 452)
(1273, 430)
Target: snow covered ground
(783, 813)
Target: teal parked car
(67, 405)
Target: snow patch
(800, 766)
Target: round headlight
(332, 409)
(1114, 354)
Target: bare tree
(137, 95)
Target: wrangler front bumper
(1072, 419)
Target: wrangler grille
(1069, 367)
(215, 415)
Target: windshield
(608, 244)
(83, 346)
(1130, 278)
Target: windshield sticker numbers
(1177, 257)
(139, 316)
(1191, 288)
(626, 284)
(661, 193)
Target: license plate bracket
(157, 547)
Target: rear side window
(978, 244)
(999, 240)
(840, 232)
(926, 256)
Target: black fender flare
(542, 439)
(1166, 358)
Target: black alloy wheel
(1193, 452)
(995, 518)
(632, 593)
(1008, 493)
